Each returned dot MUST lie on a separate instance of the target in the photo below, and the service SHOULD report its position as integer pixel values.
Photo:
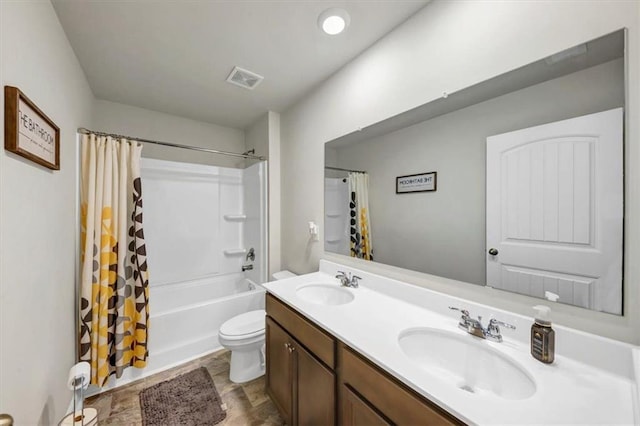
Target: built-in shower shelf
(235, 252)
(333, 241)
(235, 217)
(334, 214)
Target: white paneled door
(554, 210)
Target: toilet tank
(281, 275)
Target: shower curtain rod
(344, 170)
(84, 131)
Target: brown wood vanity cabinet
(314, 379)
(300, 362)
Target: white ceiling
(174, 56)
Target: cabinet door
(279, 369)
(315, 390)
(357, 412)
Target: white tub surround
(592, 380)
(200, 223)
(187, 207)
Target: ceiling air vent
(243, 78)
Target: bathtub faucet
(247, 268)
(251, 255)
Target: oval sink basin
(467, 363)
(325, 294)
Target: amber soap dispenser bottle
(542, 336)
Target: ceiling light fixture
(334, 21)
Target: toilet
(243, 335)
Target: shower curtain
(114, 293)
(360, 221)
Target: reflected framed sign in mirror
(421, 182)
(530, 190)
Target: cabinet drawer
(321, 344)
(398, 403)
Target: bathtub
(185, 318)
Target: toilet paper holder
(78, 381)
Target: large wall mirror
(515, 183)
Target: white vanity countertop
(568, 391)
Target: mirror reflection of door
(554, 210)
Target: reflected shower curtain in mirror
(114, 293)
(360, 222)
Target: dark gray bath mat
(190, 399)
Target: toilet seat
(244, 326)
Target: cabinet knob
(6, 420)
(493, 252)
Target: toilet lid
(251, 322)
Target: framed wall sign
(423, 182)
(28, 131)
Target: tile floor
(247, 404)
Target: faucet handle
(354, 280)
(344, 279)
(495, 323)
(493, 329)
(251, 255)
(464, 312)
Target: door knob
(493, 252)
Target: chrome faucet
(474, 326)
(348, 281)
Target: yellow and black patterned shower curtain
(114, 294)
(360, 220)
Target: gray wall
(264, 136)
(257, 136)
(275, 244)
(443, 232)
(37, 220)
(112, 117)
